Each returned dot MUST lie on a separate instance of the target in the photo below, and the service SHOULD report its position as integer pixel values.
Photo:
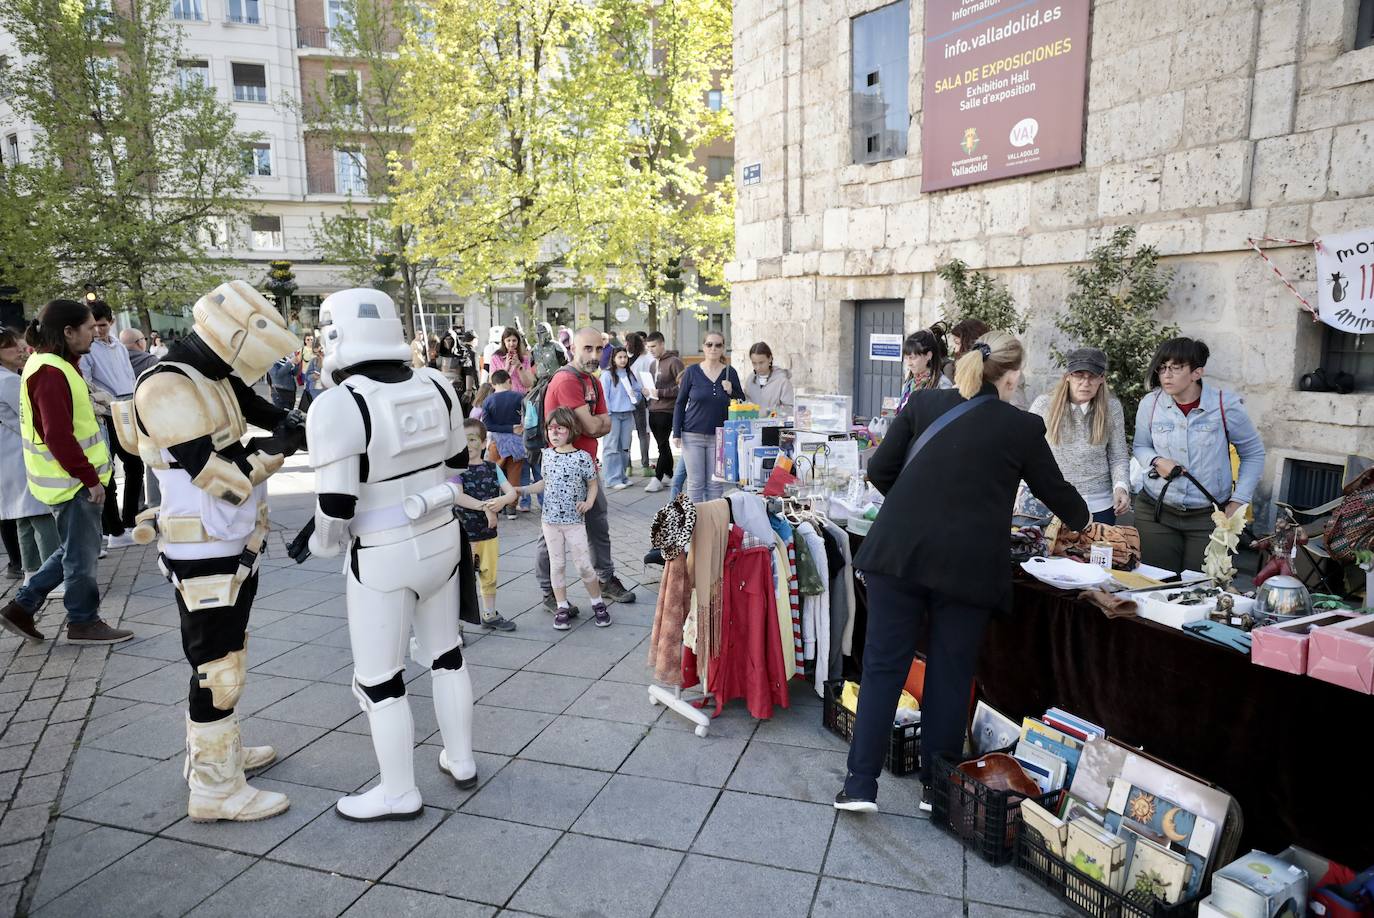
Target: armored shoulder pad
(335, 427)
(171, 410)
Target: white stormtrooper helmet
(359, 326)
(494, 335)
(243, 329)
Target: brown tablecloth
(1283, 745)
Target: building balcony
(314, 37)
(243, 19)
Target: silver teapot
(1281, 599)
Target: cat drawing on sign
(1338, 287)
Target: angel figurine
(1221, 547)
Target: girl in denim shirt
(1186, 425)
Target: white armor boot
(453, 709)
(393, 739)
(214, 770)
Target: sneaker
(927, 799)
(654, 486)
(614, 591)
(551, 606)
(104, 552)
(601, 615)
(620, 486)
(562, 620)
(96, 632)
(646, 472)
(654, 556)
(854, 804)
(512, 515)
(14, 572)
(498, 622)
(124, 540)
(16, 618)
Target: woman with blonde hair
(955, 456)
(1086, 429)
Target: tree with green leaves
(656, 66)
(975, 295)
(1112, 307)
(130, 159)
(368, 116)
(29, 267)
(510, 143)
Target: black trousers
(9, 532)
(209, 634)
(661, 423)
(114, 520)
(897, 612)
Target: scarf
(665, 641)
(709, 538)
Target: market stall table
(1285, 746)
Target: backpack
(282, 374)
(532, 415)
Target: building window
(878, 88)
(266, 233)
(1364, 25)
(714, 100)
(191, 73)
(193, 10)
(11, 149)
(719, 168)
(213, 233)
(338, 15)
(350, 172)
(257, 159)
(250, 82)
(345, 88)
(1353, 354)
(246, 11)
(1311, 484)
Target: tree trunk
(531, 304)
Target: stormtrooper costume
(382, 433)
(187, 420)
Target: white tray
(1066, 574)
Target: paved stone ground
(592, 801)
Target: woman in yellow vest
(68, 466)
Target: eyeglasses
(1171, 369)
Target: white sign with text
(1345, 281)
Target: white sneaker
(121, 541)
(104, 550)
(621, 486)
(654, 486)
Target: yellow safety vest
(48, 480)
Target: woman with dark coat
(938, 555)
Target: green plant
(974, 295)
(1112, 307)
(281, 280)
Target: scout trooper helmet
(360, 326)
(243, 329)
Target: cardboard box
(1343, 654)
(1260, 885)
(1284, 647)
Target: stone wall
(1208, 121)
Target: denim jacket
(1198, 442)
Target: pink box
(1284, 646)
(1344, 654)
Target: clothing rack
(676, 702)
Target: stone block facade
(1208, 121)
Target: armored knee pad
(379, 695)
(449, 659)
(224, 678)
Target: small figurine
(1282, 546)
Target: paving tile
(585, 743)
(390, 901)
(537, 794)
(537, 692)
(745, 827)
(338, 761)
(647, 811)
(620, 637)
(290, 890)
(793, 772)
(150, 801)
(843, 898)
(1004, 886)
(263, 690)
(142, 879)
(334, 844)
(706, 887)
(505, 730)
(486, 678)
(676, 755)
(505, 652)
(633, 667)
(800, 726)
(983, 910)
(123, 667)
(81, 850)
(159, 686)
(617, 701)
(437, 787)
(895, 851)
(165, 644)
(262, 836)
(568, 659)
(495, 857)
(158, 735)
(318, 704)
(306, 661)
(286, 738)
(96, 770)
(296, 600)
(597, 876)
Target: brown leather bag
(1124, 540)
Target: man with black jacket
(663, 401)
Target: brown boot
(16, 618)
(96, 632)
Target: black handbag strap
(942, 422)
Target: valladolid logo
(970, 141)
(1024, 131)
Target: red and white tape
(1254, 244)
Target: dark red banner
(1003, 89)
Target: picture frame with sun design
(1161, 824)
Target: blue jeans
(78, 528)
(530, 474)
(618, 447)
(699, 464)
(679, 478)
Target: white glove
(324, 548)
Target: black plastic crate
(985, 820)
(1086, 895)
(904, 749)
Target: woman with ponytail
(952, 572)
